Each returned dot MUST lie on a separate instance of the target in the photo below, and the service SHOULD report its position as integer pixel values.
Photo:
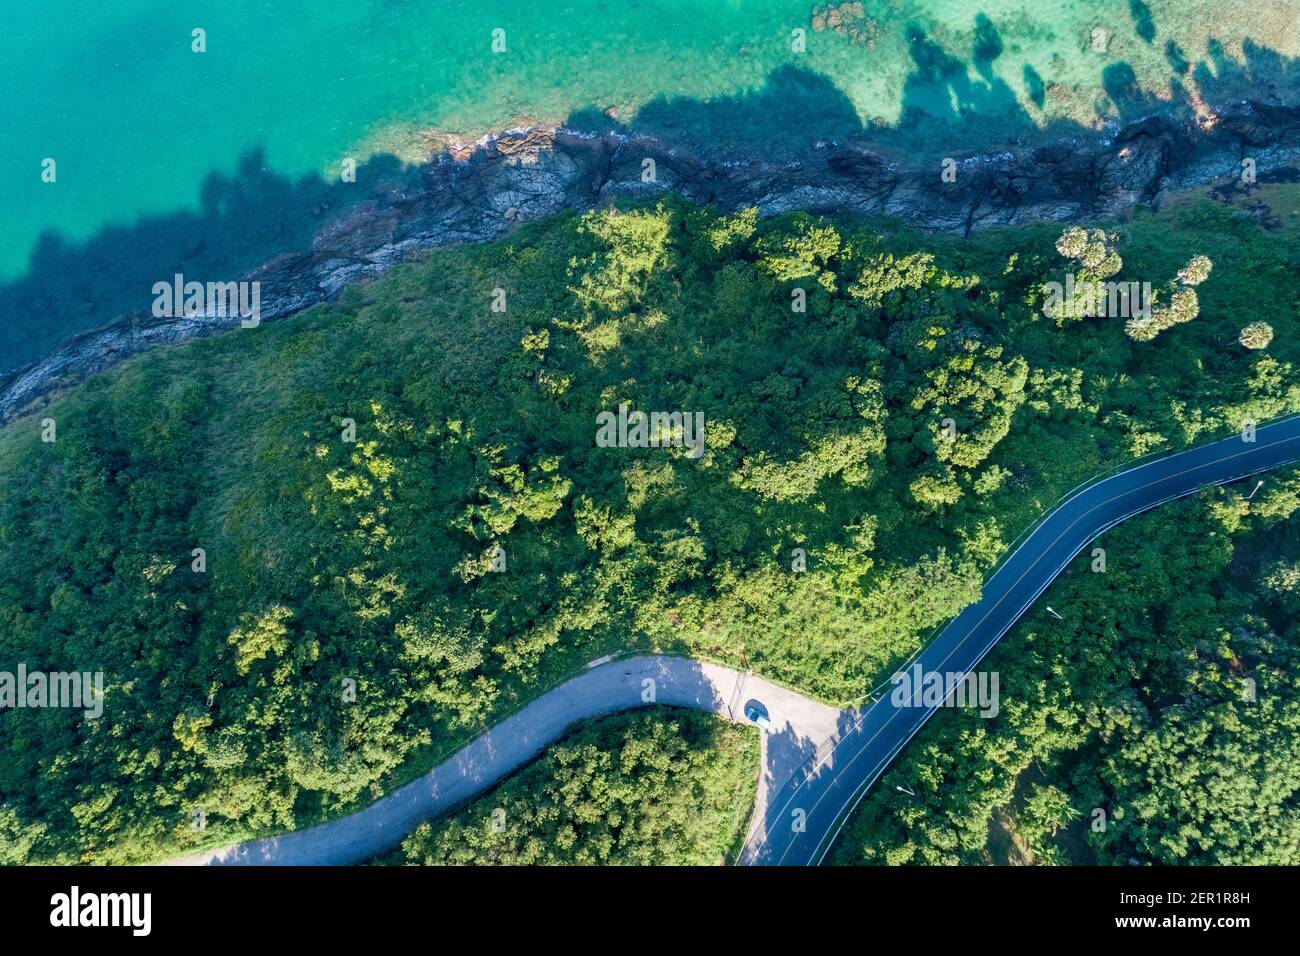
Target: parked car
(756, 715)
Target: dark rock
(522, 175)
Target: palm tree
(1257, 335)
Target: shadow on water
(243, 220)
(794, 109)
(949, 106)
(1143, 22)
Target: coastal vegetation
(1154, 723)
(314, 558)
(660, 788)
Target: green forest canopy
(347, 629)
(1155, 723)
(664, 787)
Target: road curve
(800, 823)
(817, 762)
(798, 724)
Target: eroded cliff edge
(519, 175)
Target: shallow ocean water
(158, 147)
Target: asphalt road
(801, 822)
(817, 762)
(798, 725)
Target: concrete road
(800, 823)
(799, 724)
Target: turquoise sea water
(223, 157)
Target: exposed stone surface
(524, 174)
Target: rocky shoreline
(526, 174)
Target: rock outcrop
(526, 174)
